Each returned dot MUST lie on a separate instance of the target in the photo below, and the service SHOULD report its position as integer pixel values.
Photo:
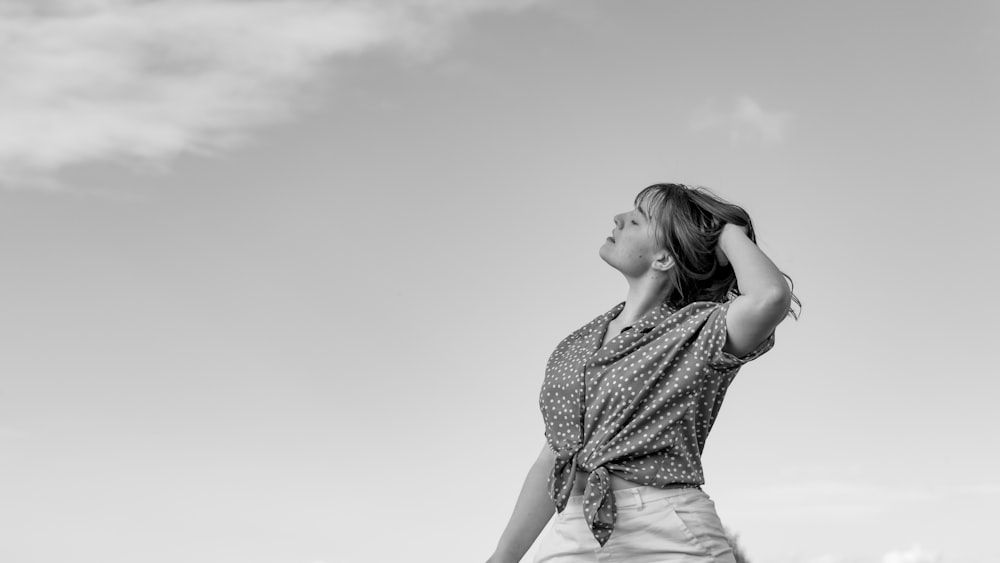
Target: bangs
(651, 201)
(648, 200)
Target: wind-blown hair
(688, 223)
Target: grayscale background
(280, 277)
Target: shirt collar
(646, 323)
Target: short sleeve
(720, 359)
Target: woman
(628, 399)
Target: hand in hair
(764, 298)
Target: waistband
(580, 483)
(625, 498)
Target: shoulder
(697, 313)
(694, 321)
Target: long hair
(688, 223)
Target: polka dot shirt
(640, 407)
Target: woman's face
(632, 247)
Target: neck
(644, 295)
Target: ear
(663, 262)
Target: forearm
(756, 275)
(531, 512)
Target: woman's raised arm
(764, 298)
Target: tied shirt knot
(563, 476)
(598, 498)
(599, 504)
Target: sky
(280, 277)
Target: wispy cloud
(915, 554)
(743, 122)
(146, 80)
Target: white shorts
(653, 526)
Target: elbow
(771, 303)
(777, 302)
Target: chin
(604, 256)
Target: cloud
(745, 122)
(915, 554)
(147, 80)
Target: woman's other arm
(531, 512)
(764, 295)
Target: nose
(619, 220)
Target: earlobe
(663, 262)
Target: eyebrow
(642, 212)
